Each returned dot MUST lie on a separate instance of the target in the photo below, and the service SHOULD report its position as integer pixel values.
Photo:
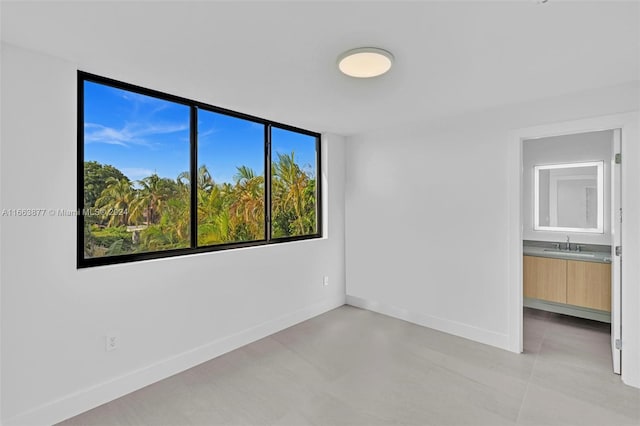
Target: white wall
(426, 229)
(428, 219)
(171, 313)
(593, 146)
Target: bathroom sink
(555, 252)
(576, 254)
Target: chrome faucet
(568, 246)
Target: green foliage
(95, 180)
(116, 200)
(293, 198)
(116, 248)
(157, 210)
(109, 241)
(161, 237)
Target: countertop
(591, 253)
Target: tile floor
(355, 367)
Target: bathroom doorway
(623, 317)
(571, 228)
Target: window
(160, 176)
(293, 183)
(231, 190)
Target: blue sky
(137, 134)
(225, 142)
(141, 135)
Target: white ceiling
(277, 59)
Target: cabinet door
(589, 285)
(545, 279)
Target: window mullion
(193, 123)
(267, 183)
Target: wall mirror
(569, 197)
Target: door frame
(616, 240)
(628, 123)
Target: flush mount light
(365, 62)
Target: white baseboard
(91, 397)
(459, 329)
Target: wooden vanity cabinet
(545, 279)
(573, 282)
(589, 285)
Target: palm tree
(244, 174)
(214, 225)
(204, 179)
(216, 230)
(289, 200)
(151, 197)
(247, 207)
(176, 216)
(117, 195)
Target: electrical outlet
(325, 280)
(112, 341)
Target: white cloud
(130, 134)
(136, 173)
(98, 133)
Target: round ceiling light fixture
(365, 62)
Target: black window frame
(194, 106)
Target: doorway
(571, 219)
(623, 312)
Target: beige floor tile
(355, 367)
(545, 407)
